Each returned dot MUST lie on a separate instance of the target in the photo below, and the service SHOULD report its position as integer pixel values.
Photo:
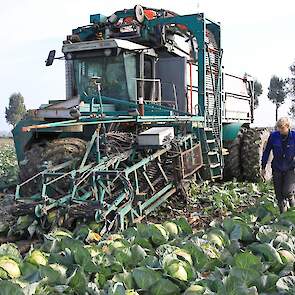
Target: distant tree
(16, 109)
(258, 90)
(291, 80)
(291, 90)
(277, 92)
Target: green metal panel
(230, 131)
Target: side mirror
(50, 58)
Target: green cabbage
(36, 257)
(10, 266)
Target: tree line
(16, 109)
(282, 88)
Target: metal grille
(69, 79)
(191, 160)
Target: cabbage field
(228, 239)
(8, 163)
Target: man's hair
(283, 122)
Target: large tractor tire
(254, 142)
(41, 154)
(232, 161)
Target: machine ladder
(211, 154)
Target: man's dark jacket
(283, 153)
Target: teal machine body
(148, 108)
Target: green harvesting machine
(148, 109)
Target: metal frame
(136, 80)
(93, 183)
(196, 24)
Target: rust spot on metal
(26, 129)
(191, 160)
(29, 128)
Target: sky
(257, 38)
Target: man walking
(282, 143)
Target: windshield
(117, 75)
